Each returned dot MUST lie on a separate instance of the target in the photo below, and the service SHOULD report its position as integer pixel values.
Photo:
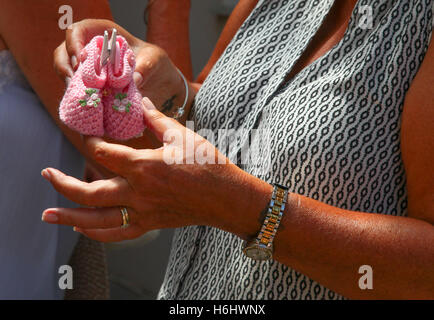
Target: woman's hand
(155, 76)
(182, 183)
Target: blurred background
(137, 267)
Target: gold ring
(125, 217)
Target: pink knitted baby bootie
(81, 108)
(123, 114)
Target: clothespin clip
(108, 51)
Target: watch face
(258, 254)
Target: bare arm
(168, 28)
(30, 31)
(236, 19)
(330, 244)
(417, 141)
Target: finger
(115, 157)
(62, 64)
(87, 218)
(146, 60)
(75, 42)
(93, 218)
(112, 235)
(157, 122)
(101, 193)
(83, 31)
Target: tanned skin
(326, 243)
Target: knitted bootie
(81, 108)
(123, 114)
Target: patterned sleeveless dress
(334, 131)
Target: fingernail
(77, 230)
(49, 217)
(131, 59)
(46, 174)
(148, 104)
(74, 62)
(138, 79)
(67, 81)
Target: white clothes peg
(104, 52)
(112, 46)
(109, 49)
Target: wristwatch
(261, 247)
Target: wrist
(244, 202)
(182, 100)
(192, 91)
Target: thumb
(138, 69)
(157, 122)
(145, 67)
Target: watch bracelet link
(274, 215)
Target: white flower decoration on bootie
(91, 98)
(121, 104)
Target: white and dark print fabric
(334, 131)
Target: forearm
(329, 244)
(31, 33)
(168, 28)
(236, 19)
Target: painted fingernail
(46, 174)
(49, 217)
(131, 59)
(148, 104)
(138, 79)
(74, 62)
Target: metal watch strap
(271, 223)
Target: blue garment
(31, 251)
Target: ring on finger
(125, 217)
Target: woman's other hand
(155, 75)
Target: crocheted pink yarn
(123, 115)
(99, 102)
(119, 123)
(81, 111)
(127, 65)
